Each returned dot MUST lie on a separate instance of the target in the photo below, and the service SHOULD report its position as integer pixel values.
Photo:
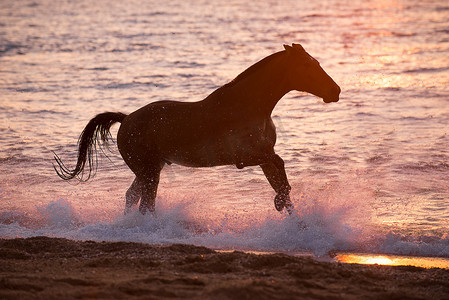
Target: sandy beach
(53, 268)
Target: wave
(425, 166)
(30, 90)
(133, 84)
(427, 70)
(379, 159)
(7, 47)
(18, 159)
(315, 229)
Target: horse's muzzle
(330, 100)
(334, 95)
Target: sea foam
(317, 229)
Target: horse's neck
(257, 94)
(266, 88)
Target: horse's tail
(97, 130)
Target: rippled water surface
(369, 173)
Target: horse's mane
(252, 69)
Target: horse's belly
(239, 148)
(203, 155)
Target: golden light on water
(378, 260)
(366, 259)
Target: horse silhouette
(231, 126)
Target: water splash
(317, 227)
(60, 215)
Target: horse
(231, 126)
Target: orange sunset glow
(366, 259)
(191, 149)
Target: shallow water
(369, 173)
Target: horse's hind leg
(149, 189)
(275, 172)
(133, 195)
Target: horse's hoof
(279, 207)
(144, 209)
(282, 201)
(289, 207)
(127, 210)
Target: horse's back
(159, 127)
(192, 134)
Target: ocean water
(369, 174)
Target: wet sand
(53, 268)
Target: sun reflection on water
(367, 259)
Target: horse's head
(306, 74)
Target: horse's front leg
(275, 172)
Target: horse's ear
(288, 48)
(298, 46)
